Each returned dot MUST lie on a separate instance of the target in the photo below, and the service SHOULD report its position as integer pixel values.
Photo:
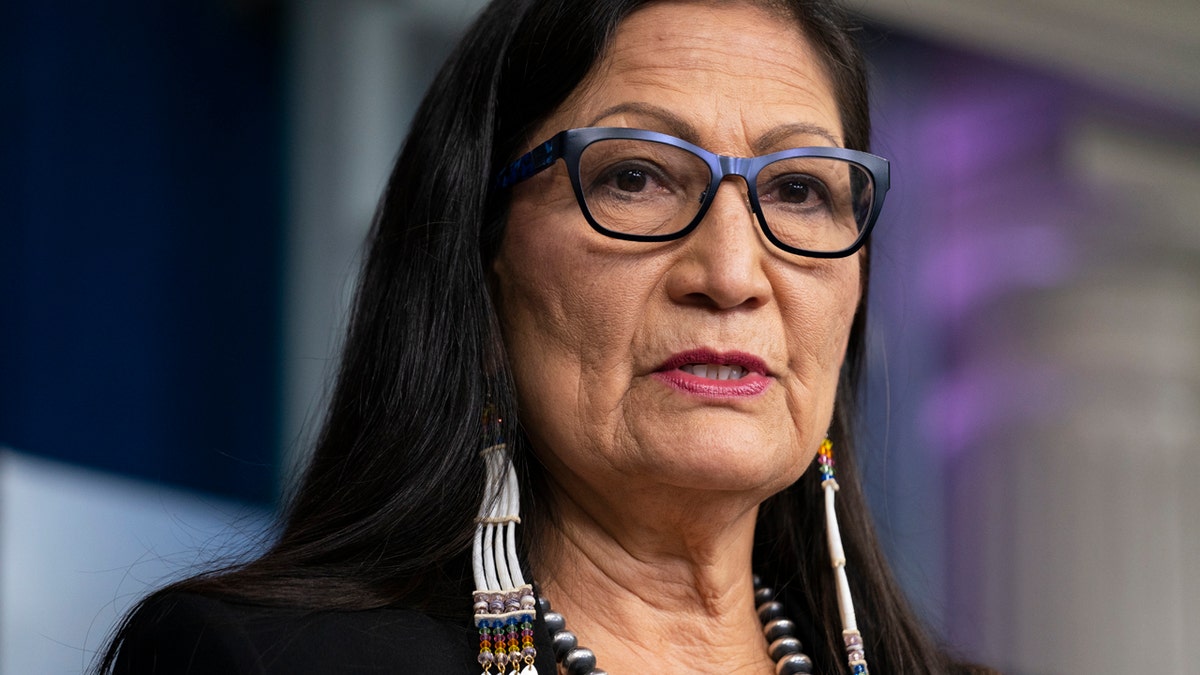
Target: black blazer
(183, 633)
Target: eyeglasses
(639, 185)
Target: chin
(742, 463)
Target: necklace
(784, 649)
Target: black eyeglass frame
(570, 144)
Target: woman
(660, 337)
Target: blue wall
(140, 238)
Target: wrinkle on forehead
(666, 57)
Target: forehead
(730, 73)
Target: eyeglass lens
(645, 188)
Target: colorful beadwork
(825, 460)
(505, 623)
(486, 657)
(854, 652)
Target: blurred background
(184, 188)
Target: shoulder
(180, 633)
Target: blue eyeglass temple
(531, 163)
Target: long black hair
(385, 511)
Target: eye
(798, 190)
(630, 180)
(795, 190)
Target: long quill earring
(855, 654)
(504, 602)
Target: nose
(721, 264)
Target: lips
(712, 374)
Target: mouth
(714, 365)
(712, 371)
(711, 374)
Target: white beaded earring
(504, 603)
(855, 654)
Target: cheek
(846, 299)
(529, 273)
(819, 310)
(568, 318)
(549, 300)
(577, 294)
(819, 316)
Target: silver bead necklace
(784, 647)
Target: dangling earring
(855, 654)
(504, 603)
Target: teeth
(712, 371)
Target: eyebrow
(775, 137)
(672, 123)
(679, 128)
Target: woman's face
(616, 346)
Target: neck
(659, 591)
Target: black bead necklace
(784, 647)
